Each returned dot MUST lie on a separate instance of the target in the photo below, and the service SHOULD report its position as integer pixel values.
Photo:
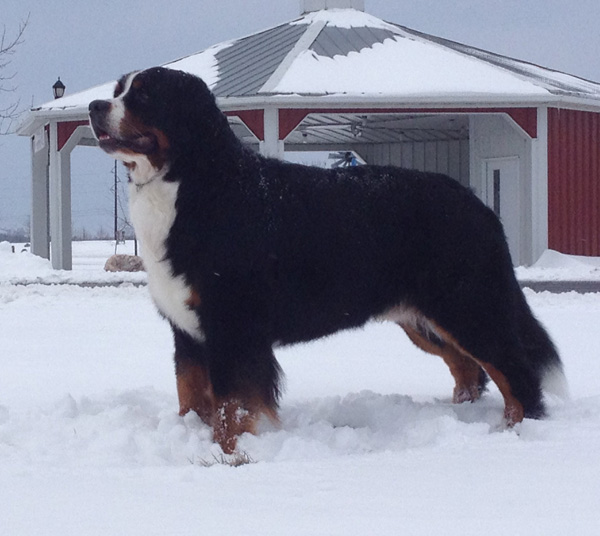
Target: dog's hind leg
(470, 379)
(502, 356)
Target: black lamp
(58, 88)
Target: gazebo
(525, 138)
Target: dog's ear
(202, 121)
(199, 96)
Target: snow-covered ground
(91, 443)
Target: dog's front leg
(194, 385)
(245, 379)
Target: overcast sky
(90, 42)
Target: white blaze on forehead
(117, 112)
(128, 82)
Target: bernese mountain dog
(245, 253)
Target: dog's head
(154, 115)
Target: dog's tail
(541, 352)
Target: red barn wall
(574, 182)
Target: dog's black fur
(279, 253)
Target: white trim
(516, 126)
(474, 100)
(39, 117)
(272, 146)
(82, 131)
(539, 186)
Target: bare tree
(8, 46)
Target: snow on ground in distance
(89, 258)
(91, 443)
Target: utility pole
(120, 236)
(116, 207)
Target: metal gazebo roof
(345, 56)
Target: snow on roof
(400, 65)
(394, 60)
(345, 18)
(352, 54)
(204, 64)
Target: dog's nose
(99, 106)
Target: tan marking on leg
(233, 418)
(420, 341)
(195, 392)
(466, 373)
(513, 409)
(464, 370)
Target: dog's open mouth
(142, 144)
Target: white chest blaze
(152, 210)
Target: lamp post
(58, 88)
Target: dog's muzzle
(98, 110)
(110, 139)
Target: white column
(539, 186)
(40, 237)
(60, 203)
(272, 146)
